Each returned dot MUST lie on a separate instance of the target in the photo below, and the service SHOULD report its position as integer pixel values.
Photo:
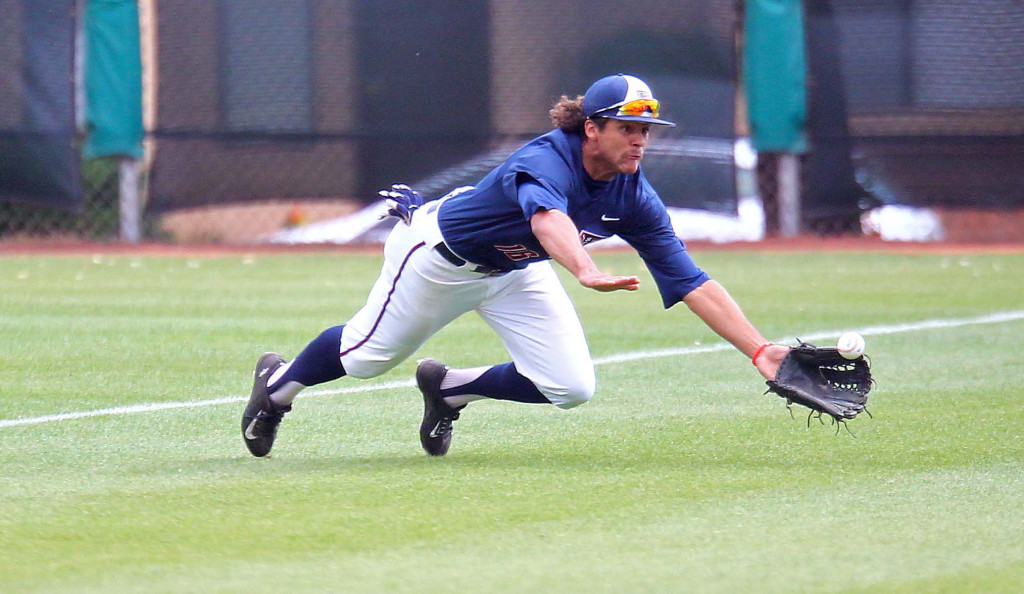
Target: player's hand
(770, 360)
(401, 201)
(605, 283)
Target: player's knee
(367, 369)
(574, 393)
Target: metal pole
(128, 190)
(789, 194)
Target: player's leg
(539, 326)
(412, 304)
(407, 304)
(447, 391)
(318, 363)
(321, 360)
(551, 360)
(276, 383)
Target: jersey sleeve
(547, 172)
(665, 255)
(676, 275)
(534, 196)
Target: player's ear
(590, 129)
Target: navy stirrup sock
(501, 382)
(319, 362)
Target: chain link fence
(231, 185)
(96, 220)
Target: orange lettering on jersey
(517, 252)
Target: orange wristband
(758, 352)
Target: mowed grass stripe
(1001, 317)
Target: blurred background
(276, 121)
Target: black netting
(934, 91)
(38, 154)
(323, 100)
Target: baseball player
(488, 249)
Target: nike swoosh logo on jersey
(248, 431)
(434, 432)
(608, 218)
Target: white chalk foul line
(996, 318)
(158, 406)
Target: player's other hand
(770, 360)
(401, 201)
(605, 283)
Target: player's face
(618, 148)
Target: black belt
(449, 255)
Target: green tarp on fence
(113, 79)
(774, 67)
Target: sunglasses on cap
(636, 107)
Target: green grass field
(680, 475)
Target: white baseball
(850, 345)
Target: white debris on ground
(893, 222)
(363, 226)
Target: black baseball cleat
(436, 428)
(261, 416)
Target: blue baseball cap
(622, 97)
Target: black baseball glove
(824, 381)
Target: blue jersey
(490, 224)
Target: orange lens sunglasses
(639, 107)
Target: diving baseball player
(488, 249)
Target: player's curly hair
(567, 115)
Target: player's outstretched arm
(713, 304)
(561, 240)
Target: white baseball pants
(419, 292)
